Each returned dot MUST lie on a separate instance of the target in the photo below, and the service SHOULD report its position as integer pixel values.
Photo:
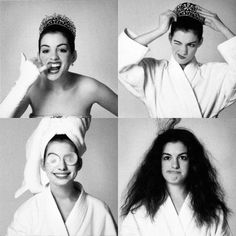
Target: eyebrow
(164, 153)
(181, 42)
(62, 44)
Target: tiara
(57, 19)
(190, 10)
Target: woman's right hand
(165, 20)
(30, 70)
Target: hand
(165, 20)
(211, 19)
(30, 69)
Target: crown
(190, 10)
(57, 19)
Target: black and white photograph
(177, 178)
(54, 177)
(177, 59)
(60, 58)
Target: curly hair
(148, 187)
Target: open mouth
(54, 68)
(61, 175)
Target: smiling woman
(46, 84)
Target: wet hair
(63, 138)
(148, 187)
(59, 29)
(186, 24)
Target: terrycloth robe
(200, 90)
(168, 223)
(40, 216)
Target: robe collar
(75, 219)
(190, 69)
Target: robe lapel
(171, 218)
(186, 213)
(181, 88)
(56, 224)
(77, 214)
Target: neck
(177, 191)
(59, 84)
(68, 191)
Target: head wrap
(190, 10)
(35, 179)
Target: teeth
(55, 65)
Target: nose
(175, 163)
(184, 50)
(62, 165)
(54, 55)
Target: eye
(63, 50)
(44, 51)
(184, 157)
(166, 157)
(52, 159)
(192, 45)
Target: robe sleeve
(129, 226)
(20, 226)
(228, 72)
(136, 73)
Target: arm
(165, 20)
(17, 101)
(214, 22)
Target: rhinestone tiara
(190, 10)
(57, 19)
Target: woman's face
(57, 157)
(55, 50)
(184, 45)
(175, 163)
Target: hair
(64, 31)
(148, 187)
(63, 138)
(186, 23)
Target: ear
(42, 165)
(200, 43)
(170, 37)
(80, 163)
(74, 56)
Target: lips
(173, 172)
(54, 68)
(181, 57)
(61, 175)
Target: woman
(60, 205)
(45, 82)
(180, 87)
(175, 191)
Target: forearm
(227, 32)
(149, 37)
(14, 102)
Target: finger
(202, 9)
(44, 68)
(206, 14)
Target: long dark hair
(148, 187)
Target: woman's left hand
(213, 21)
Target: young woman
(60, 205)
(180, 87)
(46, 84)
(175, 191)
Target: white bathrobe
(168, 223)
(40, 216)
(200, 90)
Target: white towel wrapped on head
(35, 179)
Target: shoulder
(86, 83)
(97, 203)
(152, 62)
